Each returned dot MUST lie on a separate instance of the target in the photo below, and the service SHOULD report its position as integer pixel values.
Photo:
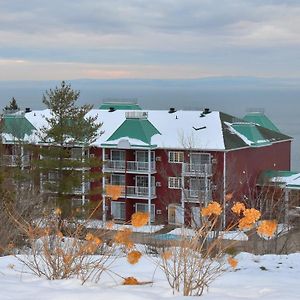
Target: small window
(174, 183)
(176, 157)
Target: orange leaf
(139, 219)
(114, 191)
(133, 257)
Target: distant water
(282, 105)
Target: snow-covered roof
(178, 130)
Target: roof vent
(111, 109)
(136, 114)
(172, 110)
(206, 111)
(27, 110)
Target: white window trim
(111, 152)
(201, 153)
(152, 208)
(178, 155)
(118, 203)
(174, 183)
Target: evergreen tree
(65, 163)
(12, 105)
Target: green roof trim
(135, 128)
(120, 106)
(260, 119)
(17, 125)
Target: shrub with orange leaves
(166, 255)
(139, 219)
(232, 261)
(134, 256)
(213, 208)
(110, 224)
(238, 208)
(252, 214)
(114, 191)
(124, 237)
(130, 281)
(267, 228)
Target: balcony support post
(103, 188)
(149, 185)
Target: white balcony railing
(15, 160)
(51, 186)
(129, 166)
(139, 192)
(197, 195)
(197, 169)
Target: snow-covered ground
(227, 235)
(268, 277)
(98, 224)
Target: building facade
(171, 163)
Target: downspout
(224, 190)
(286, 205)
(103, 188)
(82, 176)
(149, 185)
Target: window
(143, 181)
(117, 179)
(118, 210)
(200, 158)
(176, 157)
(174, 183)
(143, 207)
(117, 155)
(142, 156)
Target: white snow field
(268, 277)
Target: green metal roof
(17, 125)
(258, 135)
(260, 119)
(288, 179)
(120, 106)
(135, 128)
(251, 132)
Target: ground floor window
(118, 210)
(143, 207)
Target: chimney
(206, 111)
(172, 110)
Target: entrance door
(175, 214)
(196, 221)
(118, 210)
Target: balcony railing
(197, 195)
(197, 169)
(139, 192)
(15, 160)
(51, 186)
(129, 166)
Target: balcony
(137, 192)
(197, 195)
(199, 170)
(122, 166)
(51, 186)
(15, 160)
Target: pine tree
(65, 163)
(12, 106)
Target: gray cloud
(228, 36)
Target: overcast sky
(61, 39)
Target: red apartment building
(170, 163)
